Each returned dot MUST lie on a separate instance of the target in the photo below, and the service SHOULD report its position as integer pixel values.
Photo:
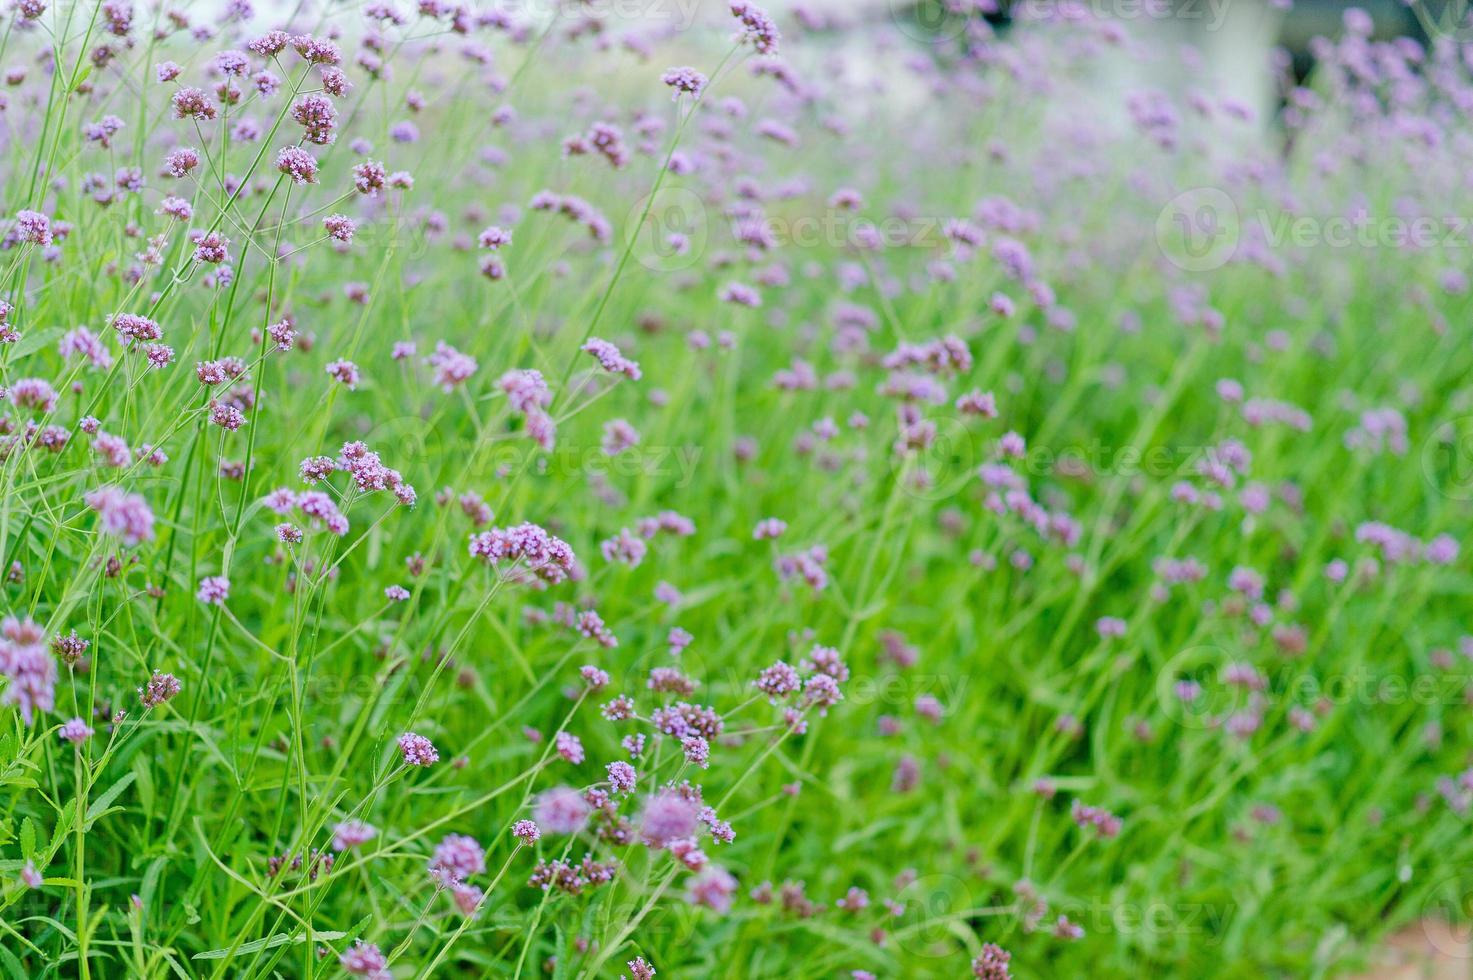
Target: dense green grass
(1269, 850)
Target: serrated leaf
(28, 838)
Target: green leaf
(144, 771)
(28, 838)
(105, 800)
(270, 942)
(33, 340)
(12, 965)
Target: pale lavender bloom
(214, 590)
(712, 889)
(668, 816)
(452, 368)
(33, 227)
(562, 810)
(345, 373)
(457, 857)
(352, 833)
(570, 747)
(493, 238)
(610, 359)
(740, 294)
(339, 227)
(364, 960)
(298, 164)
(124, 515)
(28, 663)
(1442, 550)
(618, 436)
(623, 547)
(75, 731)
(685, 81)
(757, 26)
(769, 529)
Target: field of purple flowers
(539, 491)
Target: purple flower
(297, 164)
(494, 238)
(352, 833)
(417, 750)
(457, 857)
(123, 515)
(369, 177)
(712, 889)
(133, 327)
(213, 590)
(316, 115)
(757, 26)
(193, 103)
(339, 227)
(33, 227)
(622, 777)
(667, 816)
(778, 681)
(992, 964)
(610, 359)
(160, 688)
(345, 373)
(364, 960)
(213, 248)
(180, 161)
(1442, 550)
(685, 81)
(562, 810)
(740, 294)
(569, 747)
(547, 557)
(28, 663)
(623, 547)
(452, 368)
